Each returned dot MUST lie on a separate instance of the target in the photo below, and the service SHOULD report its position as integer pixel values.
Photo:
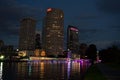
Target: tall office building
(27, 34)
(53, 32)
(1, 43)
(73, 39)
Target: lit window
(48, 35)
(55, 21)
(59, 36)
(53, 24)
(61, 16)
(76, 32)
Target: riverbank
(110, 72)
(93, 73)
(44, 59)
(103, 71)
(115, 66)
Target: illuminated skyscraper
(27, 34)
(53, 31)
(73, 39)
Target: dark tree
(110, 55)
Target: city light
(2, 57)
(22, 53)
(49, 9)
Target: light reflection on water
(1, 68)
(44, 70)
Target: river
(43, 70)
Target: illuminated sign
(73, 29)
(49, 9)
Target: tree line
(108, 55)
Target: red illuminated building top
(49, 9)
(73, 29)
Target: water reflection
(68, 70)
(42, 70)
(1, 68)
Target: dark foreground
(103, 71)
(109, 72)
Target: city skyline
(98, 21)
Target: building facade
(73, 39)
(1, 45)
(53, 32)
(27, 34)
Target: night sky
(97, 20)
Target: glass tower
(73, 39)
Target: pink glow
(49, 9)
(74, 29)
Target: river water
(43, 70)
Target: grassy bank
(113, 65)
(93, 73)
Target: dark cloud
(12, 12)
(86, 34)
(109, 6)
(85, 16)
(89, 30)
(116, 26)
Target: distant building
(27, 34)
(82, 50)
(38, 46)
(38, 41)
(53, 32)
(7, 50)
(73, 39)
(1, 44)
